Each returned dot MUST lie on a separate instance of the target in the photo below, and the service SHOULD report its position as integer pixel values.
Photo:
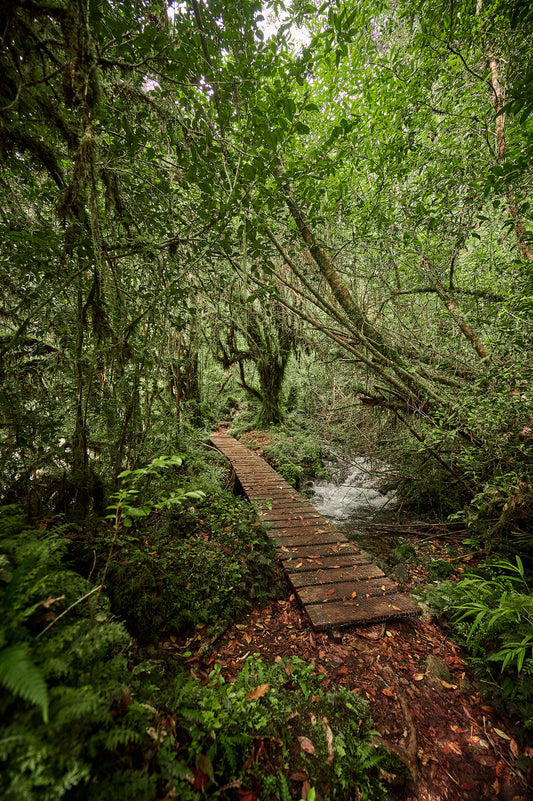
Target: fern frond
(117, 737)
(22, 677)
(70, 704)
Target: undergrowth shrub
(273, 722)
(205, 569)
(491, 612)
(296, 450)
(63, 672)
(174, 556)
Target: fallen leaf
(418, 676)
(501, 768)
(201, 779)
(514, 749)
(258, 692)
(502, 734)
(386, 691)
(205, 765)
(306, 745)
(447, 685)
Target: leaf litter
(456, 745)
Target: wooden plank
(311, 527)
(284, 505)
(271, 515)
(371, 610)
(282, 500)
(344, 591)
(305, 536)
(319, 550)
(333, 575)
(298, 564)
(296, 523)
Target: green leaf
(22, 677)
(520, 566)
(290, 108)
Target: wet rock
(437, 670)
(400, 574)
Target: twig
(94, 589)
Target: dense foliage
(85, 714)
(306, 213)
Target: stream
(356, 500)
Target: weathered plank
(346, 591)
(304, 536)
(337, 585)
(345, 613)
(299, 564)
(318, 551)
(332, 575)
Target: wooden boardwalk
(336, 584)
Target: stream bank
(358, 498)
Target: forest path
(335, 583)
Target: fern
(73, 704)
(22, 677)
(117, 737)
(125, 785)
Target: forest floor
(423, 698)
(456, 745)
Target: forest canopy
(182, 186)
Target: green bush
(491, 612)
(439, 569)
(209, 566)
(295, 454)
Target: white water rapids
(353, 492)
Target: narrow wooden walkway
(335, 583)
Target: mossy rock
(403, 553)
(439, 569)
